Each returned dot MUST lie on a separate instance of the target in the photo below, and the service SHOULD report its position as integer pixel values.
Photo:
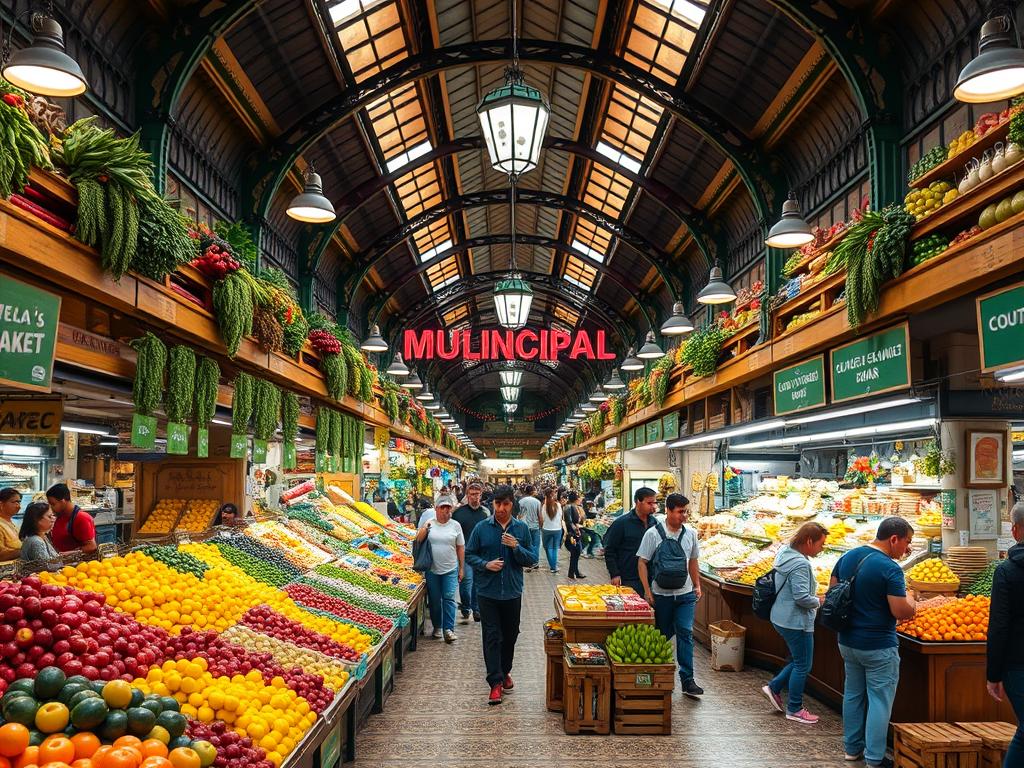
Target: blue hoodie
(796, 601)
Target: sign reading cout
(525, 344)
(1001, 328)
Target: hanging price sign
(202, 443)
(289, 459)
(143, 431)
(177, 438)
(239, 446)
(259, 451)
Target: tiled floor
(438, 714)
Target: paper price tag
(143, 431)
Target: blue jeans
(868, 693)
(793, 676)
(467, 591)
(441, 588)
(673, 615)
(1013, 682)
(552, 541)
(535, 538)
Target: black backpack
(669, 562)
(71, 522)
(765, 594)
(838, 604)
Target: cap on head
(444, 500)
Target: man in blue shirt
(623, 538)
(499, 548)
(869, 645)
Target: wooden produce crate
(554, 679)
(587, 698)
(934, 745)
(643, 698)
(995, 740)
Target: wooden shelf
(991, 191)
(955, 165)
(58, 186)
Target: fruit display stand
(212, 480)
(594, 626)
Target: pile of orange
(84, 750)
(963, 620)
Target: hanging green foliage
(164, 241)
(334, 433)
(661, 371)
(150, 364)
(266, 413)
(239, 238)
(617, 408)
(335, 371)
(242, 404)
(233, 306)
(702, 349)
(295, 327)
(179, 399)
(323, 429)
(882, 257)
(289, 416)
(354, 363)
(23, 145)
(207, 379)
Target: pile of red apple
(46, 625)
(265, 619)
(232, 749)
(314, 598)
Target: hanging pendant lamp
(790, 231)
(717, 291)
(997, 72)
(398, 366)
(44, 67)
(310, 206)
(413, 382)
(614, 383)
(510, 394)
(511, 378)
(679, 323)
(650, 350)
(424, 395)
(374, 342)
(598, 395)
(632, 362)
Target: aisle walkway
(439, 717)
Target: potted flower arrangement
(863, 471)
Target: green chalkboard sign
(627, 440)
(872, 365)
(670, 426)
(639, 436)
(800, 386)
(28, 334)
(1001, 328)
(202, 443)
(653, 431)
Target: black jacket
(621, 542)
(469, 518)
(1006, 616)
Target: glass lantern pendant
(513, 298)
(514, 119)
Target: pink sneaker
(774, 698)
(803, 716)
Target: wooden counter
(939, 682)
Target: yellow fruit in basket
(933, 571)
(199, 515)
(163, 517)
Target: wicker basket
(934, 586)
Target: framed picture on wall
(983, 508)
(985, 466)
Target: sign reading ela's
(874, 364)
(28, 334)
(800, 386)
(1001, 328)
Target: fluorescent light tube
(746, 429)
(864, 408)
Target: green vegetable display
(289, 416)
(618, 409)
(164, 242)
(334, 436)
(323, 429)
(179, 400)
(150, 364)
(180, 561)
(873, 259)
(354, 363)
(982, 584)
(335, 371)
(266, 409)
(242, 404)
(702, 349)
(239, 238)
(928, 247)
(22, 146)
(932, 158)
(234, 306)
(207, 379)
(638, 644)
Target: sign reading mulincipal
(489, 344)
(28, 334)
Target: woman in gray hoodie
(796, 604)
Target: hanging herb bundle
(151, 361)
(660, 374)
(207, 379)
(164, 242)
(179, 398)
(323, 429)
(881, 257)
(618, 409)
(366, 384)
(354, 363)
(267, 330)
(289, 416)
(23, 145)
(703, 348)
(389, 398)
(266, 412)
(240, 239)
(335, 371)
(293, 326)
(242, 404)
(234, 307)
(334, 433)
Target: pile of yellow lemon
(930, 519)
(199, 515)
(933, 571)
(267, 711)
(751, 573)
(163, 517)
(588, 597)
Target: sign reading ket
(526, 344)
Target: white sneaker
(450, 636)
(436, 634)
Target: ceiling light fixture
(765, 426)
(511, 378)
(790, 231)
(310, 206)
(679, 322)
(398, 366)
(413, 382)
(650, 350)
(374, 342)
(717, 291)
(614, 383)
(598, 396)
(588, 407)
(510, 394)
(1010, 374)
(997, 72)
(424, 395)
(842, 434)
(44, 67)
(863, 408)
(632, 362)
(511, 407)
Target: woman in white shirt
(551, 527)
(448, 548)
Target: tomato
(5, 763)
(184, 757)
(86, 744)
(56, 749)
(13, 739)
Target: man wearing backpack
(867, 640)
(74, 529)
(669, 573)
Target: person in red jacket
(74, 529)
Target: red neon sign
(490, 345)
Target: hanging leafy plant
(233, 305)
(294, 327)
(354, 363)
(266, 409)
(334, 435)
(23, 145)
(242, 404)
(207, 379)
(618, 409)
(179, 399)
(335, 371)
(239, 237)
(323, 429)
(289, 416)
(874, 260)
(703, 348)
(661, 372)
(267, 330)
(150, 363)
(164, 242)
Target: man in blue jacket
(499, 548)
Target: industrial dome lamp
(374, 342)
(679, 322)
(44, 67)
(398, 366)
(310, 206)
(997, 72)
(790, 231)
(631, 363)
(717, 291)
(650, 350)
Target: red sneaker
(495, 697)
(508, 685)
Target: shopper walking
(10, 505)
(35, 534)
(622, 540)
(572, 521)
(498, 551)
(670, 577)
(529, 513)
(448, 549)
(796, 604)
(469, 515)
(1005, 672)
(551, 528)
(589, 534)
(868, 645)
